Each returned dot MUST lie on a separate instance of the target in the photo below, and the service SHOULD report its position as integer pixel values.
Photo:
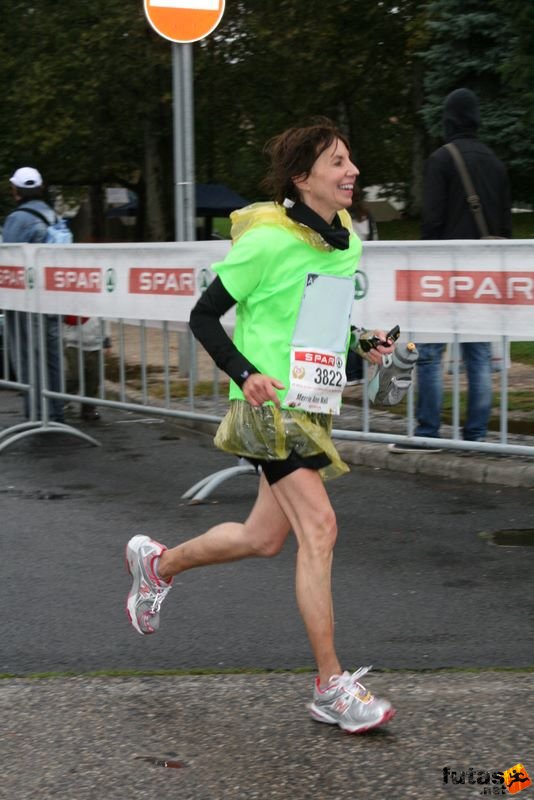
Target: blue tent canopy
(212, 200)
(217, 200)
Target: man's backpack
(57, 232)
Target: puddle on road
(34, 494)
(512, 537)
(43, 494)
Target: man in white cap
(29, 223)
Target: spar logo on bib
(322, 359)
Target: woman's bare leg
(306, 505)
(263, 534)
(298, 501)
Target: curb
(513, 471)
(473, 468)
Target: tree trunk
(97, 211)
(153, 210)
(418, 142)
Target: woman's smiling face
(330, 182)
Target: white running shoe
(148, 590)
(345, 702)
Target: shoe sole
(130, 558)
(319, 717)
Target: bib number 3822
(317, 379)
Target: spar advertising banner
(17, 278)
(136, 282)
(436, 290)
(433, 290)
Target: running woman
(290, 272)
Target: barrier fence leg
(41, 335)
(25, 429)
(201, 490)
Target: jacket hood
(460, 113)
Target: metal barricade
(158, 369)
(143, 375)
(32, 365)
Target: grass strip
(213, 672)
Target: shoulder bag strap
(471, 196)
(35, 213)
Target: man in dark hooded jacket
(447, 215)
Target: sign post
(184, 150)
(183, 22)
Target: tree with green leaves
(474, 44)
(86, 96)
(274, 63)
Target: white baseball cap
(26, 178)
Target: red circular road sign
(184, 20)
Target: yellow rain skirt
(271, 434)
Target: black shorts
(276, 470)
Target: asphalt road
(415, 584)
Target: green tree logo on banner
(361, 285)
(204, 279)
(111, 280)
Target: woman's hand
(375, 353)
(258, 389)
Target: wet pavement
(417, 588)
(239, 737)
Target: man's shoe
(413, 448)
(148, 590)
(345, 702)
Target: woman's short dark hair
(294, 152)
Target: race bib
(317, 379)
(317, 358)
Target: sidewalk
(246, 737)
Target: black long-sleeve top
(207, 328)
